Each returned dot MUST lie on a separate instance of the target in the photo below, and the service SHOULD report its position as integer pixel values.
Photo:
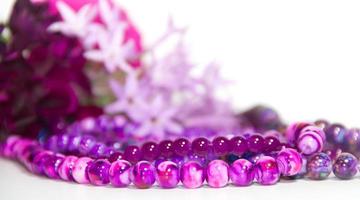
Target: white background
(300, 57)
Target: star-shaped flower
(74, 23)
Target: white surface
(301, 57)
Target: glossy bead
(86, 144)
(143, 175)
(289, 162)
(241, 172)
(271, 143)
(66, 167)
(97, 151)
(345, 166)
(182, 147)
(8, 147)
(116, 156)
(238, 145)
(221, 146)
(309, 143)
(98, 172)
(132, 154)
(73, 144)
(197, 158)
(201, 146)
(323, 124)
(352, 139)
(119, 173)
(293, 131)
(217, 173)
(336, 133)
(266, 171)
(256, 143)
(51, 165)
(39, 160)
(192, 174)
(149, 151)
(80, 170)
(318, 166)
(167, 174)
(166, 148)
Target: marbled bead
(143, 175)
(166, 148)
(336, 133)
(9, 144)
(73, 144)
(132, 154)
(97, 151)
(221, 146)
(352, 139)
(318, 166)
(119, 173)
(241, 172)
(238, 145)
(182, 147)
(86, 143)
(167, 174)
(51, 165)
(149, 151)
(315, 129)
(39, 160)
(345, 166)
(62, 142)
(192, 174)
(309, 143)
(201, 146)
(66, 167)
(266, 171)
(293, 131)
(217, 173)
(271, 143)
(256, 143)
(79, 172)
(98, 172)
(289, 162)
(323, 124)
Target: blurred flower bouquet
(62, 61)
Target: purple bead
(309, 143)
(241, 172)
(266, 171)
(271, 143)
(79, 172)
(132, 154)
(73, 144)
(316, 130)
(238, 145)
(192, 175)
(345, 166)
(97, 151)
(8, 147)
(200, 146)
(51, 165)
(66, 167)
(352, 139)
(293, 131)
(217, 174)
(119, 173)
(38, 162)
(336, 133)
(197, 158)
(149, 151)
(178, 160)
(289, 162)
(62, 142)
(98, 172)
(182, 147)
(167, 174)
(86, 144)
(116, 156)
(318, 166)
(256, 143)
(323, 124)
(221, 146)
(143, 175)
(166, 148)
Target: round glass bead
(149, 151)
(352, 139)
(116, 156)
(182, 147)
(345, 166)
(241, 172)
(80, 170)
(51, 165)
(143, 175)
(119, 173)
(221, 146)
(318, 166)
(271, 143)
(97, 151)
(192, 174)
(86, 144)
(201, 146)
(217, 173)
(336, 133)
(167, 174)
(197, 158)
(289, 162)
(38, 162)
(323, 124)
(238, 145)
(66, 167)
(293, 131)
(266, 171)
(132, 154)
(166, 148)
(98, 172)
(256, 143)
(309, 142)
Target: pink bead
(192, 174)
(119, 173)
(316, 130)
(8, 150)
(66, 168)
(266, 171)
(241, 172)
(143, 175)
(217, 173)
(293, 131)
(79, 173)
(309, 143)
(167, 174)
(289, 162)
